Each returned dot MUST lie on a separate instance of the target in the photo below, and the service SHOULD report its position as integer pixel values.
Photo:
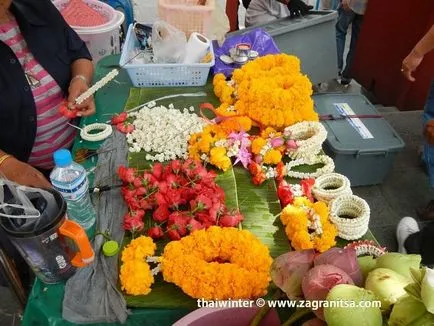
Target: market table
(44, 305)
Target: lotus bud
(427, 290)
(363, 314)
(406, 311)
(399, 263)
(288, 270)
(387, 285)
(367, 264)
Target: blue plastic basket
(162, 75)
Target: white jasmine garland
(328, 167)
(98, 85)
(309, 137)
(357, 209)
(330, 186)
(163, 132)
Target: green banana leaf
(259, 205)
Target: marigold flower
(218, 264)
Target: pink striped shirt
(52, 131)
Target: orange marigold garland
(218, 264)
(270, 90)
(135, 274)
(308, 226)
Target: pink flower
(291, 144)
(258, 159)
(277, 142)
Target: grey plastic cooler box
(312, 38)
(363, 149)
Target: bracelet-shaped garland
(351, 216)
(308, 136)
(330, 186)
(308, 226)
(329, 166)
(88, 132)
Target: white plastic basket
(162, 75)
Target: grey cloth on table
(92, 294)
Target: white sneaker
(406, 227)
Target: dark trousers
(422, 243)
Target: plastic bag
(220, 24)
(24, 207)
(168, 42)
(259, 40)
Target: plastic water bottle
(70, 179)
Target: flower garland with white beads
(98, 85)
(367, 247)
(330, 186)
(329, 166)
(163, 133)
(308, 136)
(357, 209)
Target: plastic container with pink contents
(97, 24)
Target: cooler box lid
(356, 135)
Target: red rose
(161, 199)
(137, 182)
(231, 220)
(157, 170)
(284, 192)
(259, 179)
(194, 225)
(173, 235)
(307, 185)
(126, 174)
(176, 166)
(145, 204)
(162, 187)
(125, 127)
(148, 178)
(133, 225)
(119, 118)
(161, 213)
(141, 191)
(155, 232)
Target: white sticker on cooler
(356, 123)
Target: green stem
(298, 314)
(256, 321)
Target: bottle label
(75, 190)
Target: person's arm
(297, 7)
(81, 72)
(413, 60)
(20, 172)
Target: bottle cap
(62, 157)
(110, 248)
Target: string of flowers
(270, 90)
(307, 225)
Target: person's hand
(429, 132)
(346, 5)
(76, 88)
(298, 7)
(410, 64)
(23, 173)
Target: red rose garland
(182, 196)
